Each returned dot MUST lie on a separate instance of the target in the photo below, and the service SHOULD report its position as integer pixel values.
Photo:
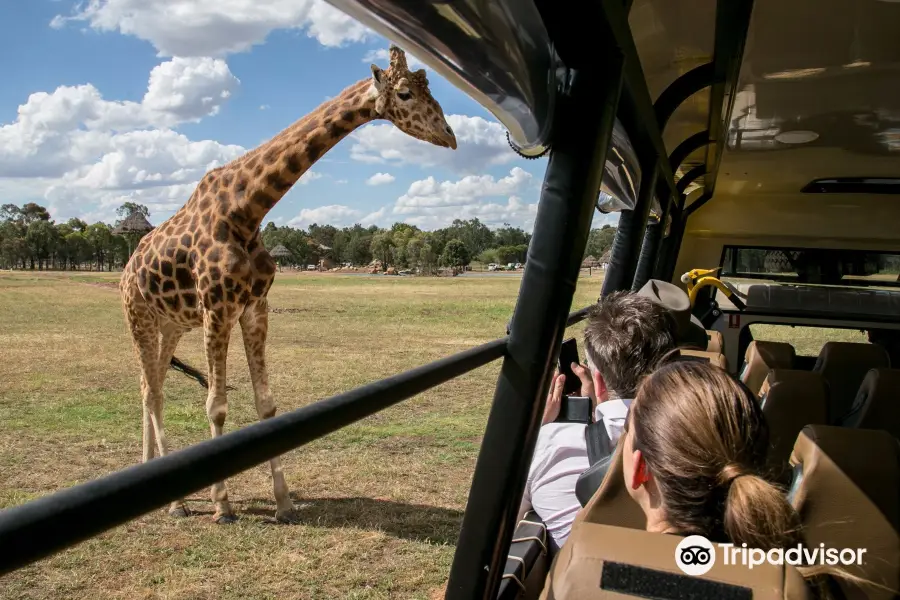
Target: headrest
(714, 341)
(712, 357)
(847, 490)
(678, 303)
(760, 358)
(611, 504)
(844, 365)
(794, 400)
(605, 562)
(877, 403)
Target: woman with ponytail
(694, 453)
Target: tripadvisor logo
(696, 555)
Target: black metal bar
(636, 111)
(732, 24)
(581, 135)
(689, 178)
(684, 149)
(623, 258)
(39, 528)
(696, 204)
(680, 90)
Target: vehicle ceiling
(827, 66)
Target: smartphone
(568, 354)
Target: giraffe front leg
(254, 327)
(217, 330)
(168, 341)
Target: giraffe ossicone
(206, 267)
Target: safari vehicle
(752, 147)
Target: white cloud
(334, 214)
(380, 179)
(382, 57)
(74, 125)
(341, 181)
(429, 194)
(204, 28)
(84, 153)
(309, 176)
(264, 107)
(430, 204)
(481, 143)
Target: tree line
(30, 239)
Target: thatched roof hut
(605, 257)
(280, 251)
(589, 261)
(136, 222)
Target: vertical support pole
(665, 265)
(630, 234)
(582, 128)
(648, 253)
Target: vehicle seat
(794, 400)
(760, 358)
(713, 357)
(611, 504)
(847, 490)
(715, 341)
(527, 562)
(607, 562)
(877, 403)
(844, 366)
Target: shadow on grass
(416, 522)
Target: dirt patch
(291, 311)
(103, 284)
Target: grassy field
(381, 501)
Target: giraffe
(206, 266)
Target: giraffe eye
(404, 95)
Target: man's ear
(377, 77)
(599, 386)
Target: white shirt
(560, 456)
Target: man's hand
(554, 400)
(587, 382)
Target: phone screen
(568, 354)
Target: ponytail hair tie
(731, 472)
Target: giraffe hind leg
(254, 327)
(151, 343)
(168, 341)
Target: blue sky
(108, 101)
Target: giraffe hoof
(225, 519)
(290, 516)
(180, 512)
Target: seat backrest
(606, 562)
(844, 366)
(794, 400)
(847, 490)
(760, 358)
(611, 504)
(715, 341)
(877, 403)
(713, 357)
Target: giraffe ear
(377, 77)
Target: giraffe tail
(191, 372)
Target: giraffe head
(403, 98)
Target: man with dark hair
(626, 335)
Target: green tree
(382, 247)
(599, 241)
(129, 208)
(455, 254)
(42, 241)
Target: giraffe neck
(265, 175)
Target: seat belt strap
(599, 445)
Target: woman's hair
(704, 437)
